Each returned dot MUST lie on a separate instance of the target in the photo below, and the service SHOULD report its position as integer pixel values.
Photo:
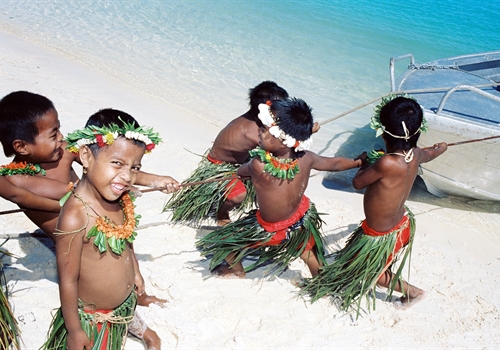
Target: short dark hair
(19, 113)
(265, 91)
(392, 116)
(108, 116)
(294, 117)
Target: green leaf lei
(116, 244)
(107, 135)
(373, 156)
(375, 123)
(21, 168)
(284, 169)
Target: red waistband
(284, 224)
(371, 232)
(215, 161)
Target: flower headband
(105, 136)
(266, 117)
(377, 125)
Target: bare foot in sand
(224, 271)
(151, 340)
(406, 302)
(223, 222)
(145, 300)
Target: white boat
(461, 101)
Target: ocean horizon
(203, 56)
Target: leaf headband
(267, 118)
(377, 125)
(105, 136)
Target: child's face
(47, 146)
(114, 170)
(267, 141)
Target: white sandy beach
(456, 256)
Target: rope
(415, 91)
(13, 211)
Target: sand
(455, 258)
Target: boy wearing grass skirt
(286, 225)
(229, 150)
(99, 280)
(366, 260)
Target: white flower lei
(267, 119)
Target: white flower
(265, 115)
(289, 141)
(304, 145)
(82, 142)
(134, 135)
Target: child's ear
(21, 147)
(85, 155)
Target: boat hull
(468, 170)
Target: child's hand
(139, 284)
(316, 127)
(441, 145)
(363, 158)
(78, 340)
(167, 182)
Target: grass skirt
(123, 314)
(247, 238)
(9, 330)
(357, 267)
(193, 204)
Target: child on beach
(95, 257)
(287, 225)
(29, 131)
(389, 226)
(229, 150)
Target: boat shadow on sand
(363, 139)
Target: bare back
(279, 199)
(234, 141)
(388, 183)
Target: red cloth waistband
(283, 225)
(404, 223)
(215, 161)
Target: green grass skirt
(117, 331)
(242, 235)
(9, 330)
(193, 204)
(357, 267)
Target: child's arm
(139, 280)
(430, 153)
(152, 180)
(336, 163)
(25, 198)
(68, 255)
(41, 185)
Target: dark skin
(388, 183)
(231, 146)
(279, 199)
(99, 280)
(49, 151)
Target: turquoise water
(202, 56)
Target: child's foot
(145, 300)
(223, 222)
(151, 340)
(407, 302)
(224, 271)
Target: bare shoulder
(73, 217)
